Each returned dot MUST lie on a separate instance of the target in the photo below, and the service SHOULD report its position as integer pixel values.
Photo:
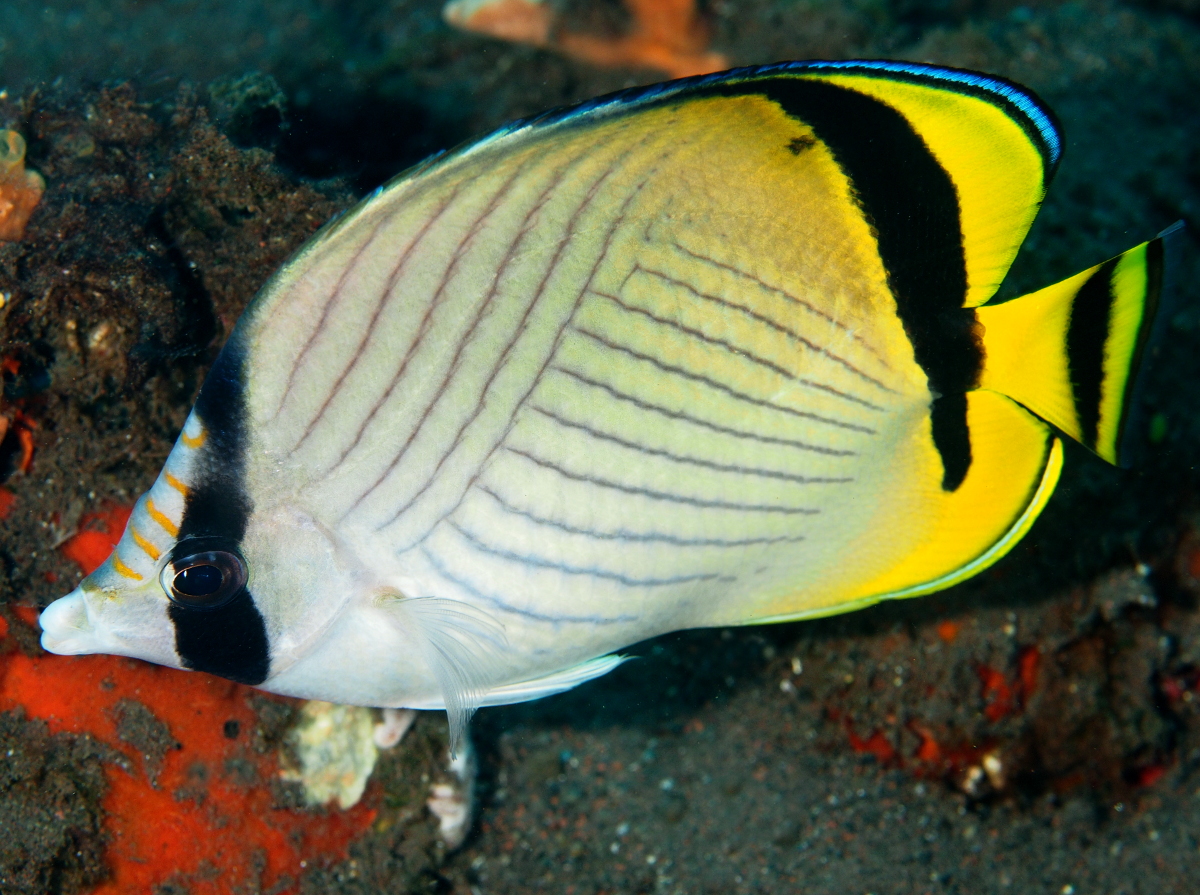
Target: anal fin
(551, 684)
(536, 688)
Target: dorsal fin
(997, 142)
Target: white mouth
(66, 628)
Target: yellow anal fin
(1071, 352)
(1015, 464)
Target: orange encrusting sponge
(666, 35)
(90, 546)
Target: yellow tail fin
(1071, 352)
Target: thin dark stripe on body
(331, 301)
(435, 302)
(538, 293)
(633, 536)
(714, 427)
(504, 606)
(736, 350)
(783, 330)
(541, 563)
(720, 386)
(661, 495)
(694, 461)
(787, 296)
(480, 311)
(560, 335)
(418, 338)
(385, 296)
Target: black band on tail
(1087, 333)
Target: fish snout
(66, 627)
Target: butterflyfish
(720, 351)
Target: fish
(721, 351)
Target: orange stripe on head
(123, 569)
(175, 483)
(195, 442)
(151, 551)
(157, 515)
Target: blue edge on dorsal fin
(1032, 111)
(1021, 103)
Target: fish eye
(204, 580)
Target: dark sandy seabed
(1060, 687)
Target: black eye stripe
(229, 638)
